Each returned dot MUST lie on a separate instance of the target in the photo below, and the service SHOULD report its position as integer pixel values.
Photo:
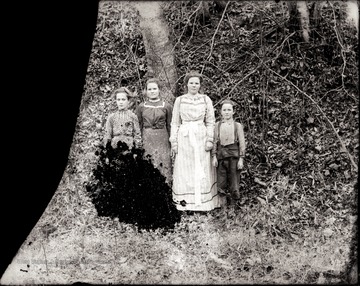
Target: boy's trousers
(227, 172)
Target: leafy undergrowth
(238, 244)
(296, 220)
(288, 92)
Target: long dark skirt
(157, 146)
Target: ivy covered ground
(298, 102)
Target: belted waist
(121, 134)
(153, 127)
(188, 126)
(231, 146)
(231, 150)
(193, 121)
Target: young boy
(228, 150)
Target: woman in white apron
(192, 135)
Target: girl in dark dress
(155, 118)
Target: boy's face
(227, 111)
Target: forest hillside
(299, 104)
(298, 101)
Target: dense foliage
(247, 54)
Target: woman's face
(152, 91)
(193, 85)
(122, 100)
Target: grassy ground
(72, 244)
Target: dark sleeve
(139, 111)
(168, 108)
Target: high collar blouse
(196, 107)
(156, 115)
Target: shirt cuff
(210, 140)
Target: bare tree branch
(187, 23)
(213, 37)
(240, 81)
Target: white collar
(156, 100)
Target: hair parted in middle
(193, 73)
(123, 89)
(153, 80)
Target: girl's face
(122, 100)
(193, 85)
(227, 111)
(152, 91)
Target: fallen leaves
(328, 232)
(258, 181)
(221, 262)
(262, 201)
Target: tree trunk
(158, 47)
(304, 19)
(352, 11)
(299, 18)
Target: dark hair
(122, 90)
(153, 80)
(228, 101)
(191, 74)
